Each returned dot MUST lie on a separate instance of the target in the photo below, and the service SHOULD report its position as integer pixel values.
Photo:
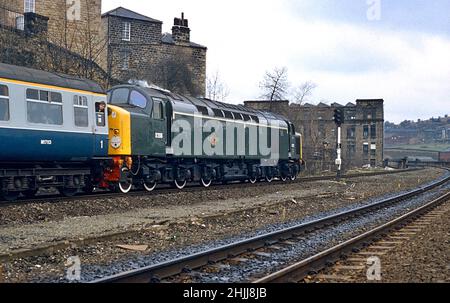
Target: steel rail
(298, 271)
(157, 272)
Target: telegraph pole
(339, 120)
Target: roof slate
(126, 13)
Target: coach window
(44, 107)
(137, 99)
(100, 109)
(4, 103)
(81, 111)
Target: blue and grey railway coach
(53, 129)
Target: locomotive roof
(20, 73)
(207, 103)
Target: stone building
(73, 37)
(28, 38)
(362, 132)
(74, 25)
(137, 49)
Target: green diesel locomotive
(156, 137)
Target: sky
(398, 50)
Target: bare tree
(82, 38)
(303, 92)
(173, 73)
(216, 89)
(275, 84)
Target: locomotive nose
(119, 131)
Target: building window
(370, 114)
(373, 149)
(4, 103)
(322, 130)
(126, 31)
(20, 23)
(351, 132)
(80, 108)
(373, 131)
(44, 107)
(366, 149)
(351, 150)
(29, 6)
(366, 132)
(125, 59)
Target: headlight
(116, 142)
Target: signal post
(339, 120)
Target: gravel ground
(315, 242)
(425, 258)
(189, 218)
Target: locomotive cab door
(158, 127)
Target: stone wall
(66, 29)
(18, 48)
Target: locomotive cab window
(81, 111)
(138, 99)
(100, 110)
(119, 96)
(4, 103)
(44, 107)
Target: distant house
(137, 48)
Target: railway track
(373, 243)
(165, 189)
(354, 266)
(182, 269)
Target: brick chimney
(35, 24)
(180, 30)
